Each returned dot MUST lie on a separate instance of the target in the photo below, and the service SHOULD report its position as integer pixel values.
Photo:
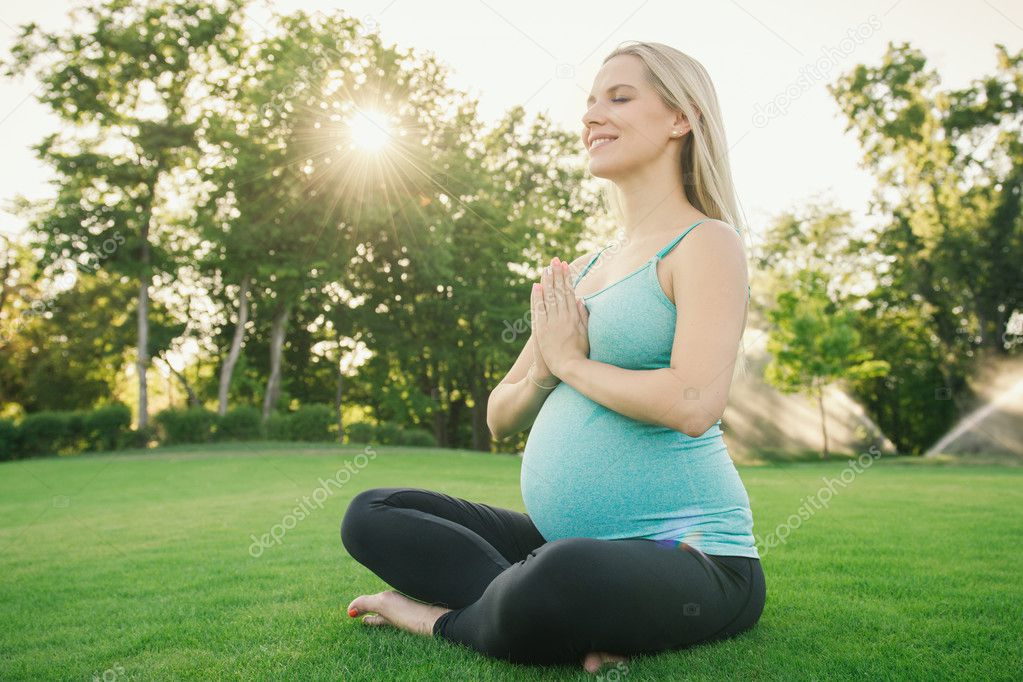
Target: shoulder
(710, 251)
(709, 239)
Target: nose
(593, 114)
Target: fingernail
(353, 612)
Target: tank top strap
(664, 252)
(587, 268)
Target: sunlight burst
(371, 130)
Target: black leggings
(518, 597)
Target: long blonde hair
(684, 85)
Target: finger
(539, 306)
(551, 292)
(568, 299)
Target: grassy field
(142, 566)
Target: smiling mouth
(602, 143)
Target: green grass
(137, 566)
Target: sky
(544, 56)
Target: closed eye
(620, 99)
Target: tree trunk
(227, 370)
(454, 420)
(824, 422)
(193, 399)
(480, 430)
(277, 332)
(337, 396)
(142, 362)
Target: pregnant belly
(588, 471)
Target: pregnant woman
(638, 535)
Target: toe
(365, 603)
(591, 662)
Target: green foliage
(42, 433)
(813, 342)
(277, 426)
(949, 168)
(10, 439)
(312, 423)
(191, 425)
(241, 423)
(915, 401)
(418, 438)
(388, 433)
(107, 427)
(142, 437)
(360, 432)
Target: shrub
(388, 434)
(312, 423)
(193, 425)
(10, 439)
(74, 438)
(360, 432)
(141, 438)
(240, 423)
(277, 426)
(43, 432)
(419, 438)
(106, 428)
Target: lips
(602, 142)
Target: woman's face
(624, 106)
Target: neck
(655, 200)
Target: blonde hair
(684, 85)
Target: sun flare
(371, 130)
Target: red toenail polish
(353, 612)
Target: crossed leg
(516, 597)
(434, 547)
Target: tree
(813, 342)
(125, 81)
(949, 166)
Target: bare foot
(593, 660)
(394, 608)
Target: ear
(681, 124)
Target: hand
(559, 319)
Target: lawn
(142, 566)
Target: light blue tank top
(588, 471)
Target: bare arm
(515, 402)
(709, 287)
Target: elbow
(495, 433)
(693, 426)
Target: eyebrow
(589, 100)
